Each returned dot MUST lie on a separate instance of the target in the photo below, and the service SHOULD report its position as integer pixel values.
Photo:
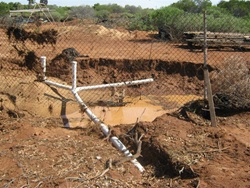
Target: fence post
(207, 85)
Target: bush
(231, 85)
(173, 22)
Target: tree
(238, 8)
(133, 9)
(185, 5)
(216, 12)
(82, 12)
(142, 21)
(15, 6)
(202, 5)
(192, 6)
(102, 15)
(59, 13)
(114, 8)
(4, 8)
(166, 20)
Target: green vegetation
(171, 21)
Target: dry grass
(231, 84)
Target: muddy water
(137, 109)
(140, 109)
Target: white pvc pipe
(119, 84)
(115, 141)
(43, 64)
(58, 85)
(74, 74)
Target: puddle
(142, 109)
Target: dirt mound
(19, 39)
(113, 33)
(45, 37)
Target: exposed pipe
(43, 63)
(119, 84)
(58, 85)
(115, 141)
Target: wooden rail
(216, 39)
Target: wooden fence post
(207, 85)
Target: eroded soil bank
(176, 152)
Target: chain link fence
(107, 51)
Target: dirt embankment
(184, 76)
(175, 153)
(132, 66)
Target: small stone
(98, 157)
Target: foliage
(185, 5)
(231, 88)
(171, 21)
(142, 21)
(102, 15)
(15, 6)
(57, 16)
(238, 8)
(216, 12)
(228, 23)
(111, 8)
(59, 13)
(192, 6)
(165, 19)
(132, 9)
(4, 8)
(82, 12)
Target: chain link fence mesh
(109, 52)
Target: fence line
(118, 55)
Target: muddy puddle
(136, 109)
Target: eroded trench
(154, 157)
(175, 83)
(185, 77)
(170, 79)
